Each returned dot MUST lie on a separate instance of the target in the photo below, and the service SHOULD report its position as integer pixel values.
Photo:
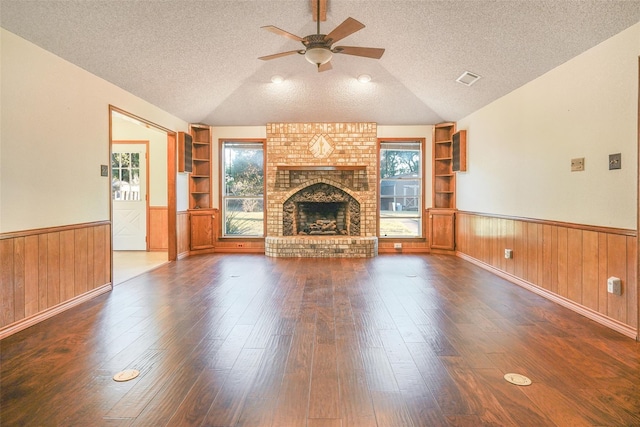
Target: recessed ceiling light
(277, 79)
(468, 78)
(364, 78)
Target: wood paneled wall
(568, 263)
(250, 246)
(158, 228)
(43, 272)
(183, 233)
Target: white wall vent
(467, 78)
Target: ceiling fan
(318, 48)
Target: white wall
(54, 135)
(520, 146)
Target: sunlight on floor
(129, 264)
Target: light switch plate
(615, 161)
(104, 170)
(577, 164)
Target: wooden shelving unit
(444, 179)
(442, 214)
(202, 217)
(200, 180)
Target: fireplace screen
(321, 209)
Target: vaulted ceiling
(199, 59)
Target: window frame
(223, 143)
(129, 169)
(421, 178)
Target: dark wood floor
(245, 340)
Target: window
(401, 189)
(125, 176)
(243, 189)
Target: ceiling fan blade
(283, 33)
(325, 67)
(278, 55)
(368, 52)
(348, 27)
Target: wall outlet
(615, 161)
(397, 246)
(577, 164)
(614, 285)
(508, 253)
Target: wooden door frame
(171, 182)
(637, 284)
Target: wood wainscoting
(183, 234)
(158, 228)
(567, 263)
(49, 270)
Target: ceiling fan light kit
(318, 48)
(318, 55)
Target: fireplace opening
(321, 209)
(321, 218)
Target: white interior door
(129, 195)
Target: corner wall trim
(43, 315)
(580, 309)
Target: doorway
(129, 198)
(143, 229)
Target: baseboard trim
(558, 299)
(43, 315)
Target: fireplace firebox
(321, 209)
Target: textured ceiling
(198, 59)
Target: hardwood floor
(246, 340)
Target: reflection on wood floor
(246, 340)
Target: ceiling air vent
(468, 78)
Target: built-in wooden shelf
(442, 213)
(444, 180)
(200, 180)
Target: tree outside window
(401, 189)
(243, 188)
(125, 176)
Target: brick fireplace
(321, 190)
